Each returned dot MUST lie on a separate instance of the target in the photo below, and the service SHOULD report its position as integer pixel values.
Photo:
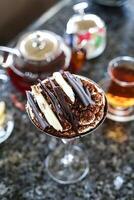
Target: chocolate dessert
(66, 105)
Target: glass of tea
(119, 88)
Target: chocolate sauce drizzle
(65, 107)
(78, 87)
(36, 111)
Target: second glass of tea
(119, 88)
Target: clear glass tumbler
(119, 89)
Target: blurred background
(16, 15)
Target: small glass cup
(6, 119)
(7, 127)
(119, 89)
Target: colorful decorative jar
(87, 31)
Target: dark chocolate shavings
(78, 88)
(51, 97)
(86, 90)
(36, 111)
(65, 107)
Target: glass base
(117, 114)
(120, 115)
(67, 166)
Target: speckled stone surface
(22, 172)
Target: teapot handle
(7, 50)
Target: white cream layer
(64, 85)
(46, 109)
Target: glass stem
(68, 143)
(68, 156)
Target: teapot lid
(39, 45)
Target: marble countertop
(22, 172)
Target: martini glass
(68, 163)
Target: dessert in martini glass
(66, 106)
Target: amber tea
(121, 89)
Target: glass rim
(111, 66)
